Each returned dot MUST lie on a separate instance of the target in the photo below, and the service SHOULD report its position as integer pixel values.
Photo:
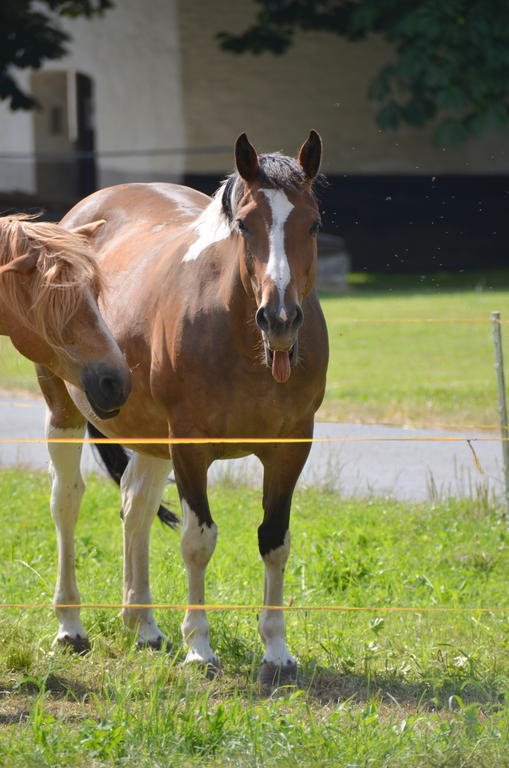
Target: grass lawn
(399, 371)
(384, 368)
(381, 688)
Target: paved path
(404, 469)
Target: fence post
(502, 400)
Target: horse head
(49, 289)
(277, 217)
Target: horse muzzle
(107, 388)
(280, 330)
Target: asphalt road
(356, 460)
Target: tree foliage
(450, 63)
(29, 36)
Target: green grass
(16, 372)
(411, 370)
(415, 372)
(413, 689)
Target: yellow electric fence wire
(296, 608)
(241, 440)
(417, 320)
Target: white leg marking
(142, 487)
(66, 493)
(278, 268)
(272, 623)
(197, 545)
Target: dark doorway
(85, 140)
(64, 134)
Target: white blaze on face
(278, 268)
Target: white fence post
(502, 400)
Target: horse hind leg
(66, 493)
(142, 486)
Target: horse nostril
(109, 386)
(297, 319)
(261, 319)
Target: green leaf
(390, 116)
(364, 17)
(451, 97)
(450, 132)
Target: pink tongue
(281, 368)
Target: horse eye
(242, 227)
(314, 229)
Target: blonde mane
(64, 270)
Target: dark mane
(277, 171)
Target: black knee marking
(271, 535)
(200, 507)
(276, 521)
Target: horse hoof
(272, 675)
(79, 645)
(211, 669)
(159, 644)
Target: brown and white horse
(49, 286)
(213, 306)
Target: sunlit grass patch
(388, 364)
(381, 687)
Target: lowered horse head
(49, 287)
(269, 201)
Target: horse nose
(279, 322)
(110, 388)
(106, 389)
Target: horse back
(153, 208)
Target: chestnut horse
(49, 285)
(213, 306)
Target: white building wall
(132, 55)
(16, 136)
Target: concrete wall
(320, 83)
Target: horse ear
(246, 158)
(21, 264)
(88, 230)
(310, 155)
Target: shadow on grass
(326, 685)
(14, 718)
(368, 284)
(56, 686)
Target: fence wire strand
(259, 607)
(246, 440)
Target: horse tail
(115, 459)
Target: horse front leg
(142, 487)
(282, 467)
(63, 420)
(198, 542)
